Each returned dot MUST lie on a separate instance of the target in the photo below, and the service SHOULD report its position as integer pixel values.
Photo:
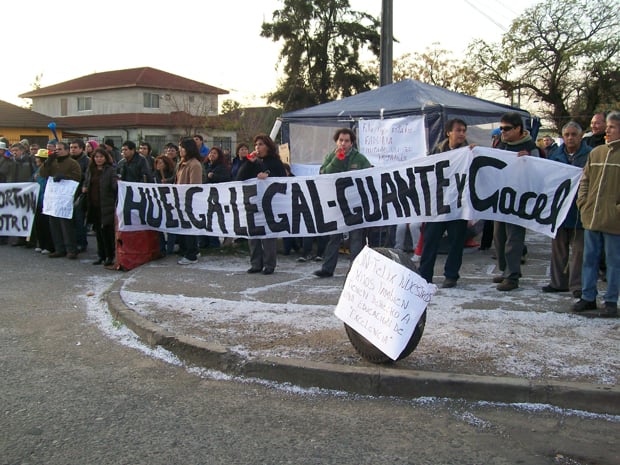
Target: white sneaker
(415, 258)
(38, 249)
(45, 252)
(187, 261)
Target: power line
(487, 16)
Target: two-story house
(140, 104)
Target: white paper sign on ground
(383, 300)
(58, 198)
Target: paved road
(74, 390)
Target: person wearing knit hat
(91, 145)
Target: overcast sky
(217, 43)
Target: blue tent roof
(404, 98)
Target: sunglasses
(506, 128)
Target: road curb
(366, 380)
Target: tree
(562, 53)
(322, 40)
(435, 66)
(229, 105)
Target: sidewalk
(479, 343)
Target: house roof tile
(145, 77)
(132, 120)
(12, 116)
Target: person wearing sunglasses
(510, 238)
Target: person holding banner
(102, 187)
(510, 238)
(263, 252)
(216, 169)
(343, 158)
(189, 172)
(7, 174)
(60, 166)
(456, 130)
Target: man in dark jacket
(510, 238)
(565, 274)
(597, 124)
(132, 167)
(77, 149)
(456, 130)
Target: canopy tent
(308, 131)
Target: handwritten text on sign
(18, 204)
(383, 300)
(392, 140)
(58, 199)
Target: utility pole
(385, 57)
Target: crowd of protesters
(586, 247)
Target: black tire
(363, 346)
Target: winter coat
(134, 170)
(444, 146)
(352, 161)
(103, 201)
(42, 183)
(66, 167)
(525, 143)
(248, 170)
(598, 199)
(190, 172)
(579, 159)
(271, 165)
(24, 167)
(7, 169)
(220, 174)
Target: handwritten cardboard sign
(393, 140)
(58, 198)
(383, 301)
(18, 204)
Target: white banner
(58, 198)
(389, 141)
(482, 183)
(383, 301)
(18, 204)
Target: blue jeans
(595, 244)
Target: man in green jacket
(598, 201)
(343, 158)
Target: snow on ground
(515, 334)
(537, 330)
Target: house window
(63, 107)
(191, 99)
(157, 143)
(223, 142)
(151, 100)
(84, 104)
